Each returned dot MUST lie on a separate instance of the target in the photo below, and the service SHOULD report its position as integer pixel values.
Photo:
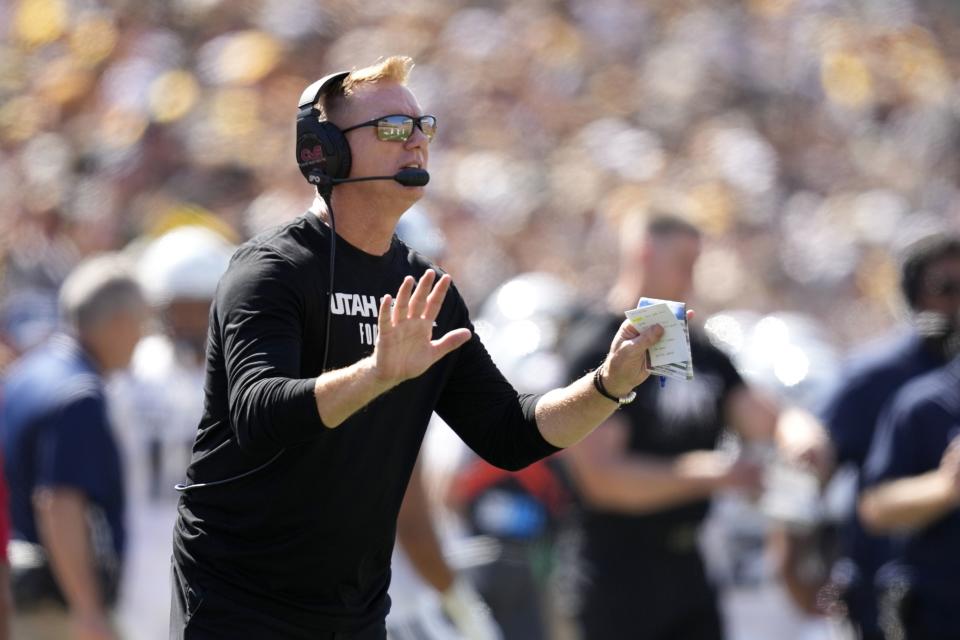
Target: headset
(323, 152)
(323, 155)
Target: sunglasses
(398, 127)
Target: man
(929, 272)
(62, 463)
(912, 477)
(646, 475)
(178, 271)
(306, 444)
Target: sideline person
(308, 438)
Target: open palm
(404, 346)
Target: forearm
(417, 537)
(908, 503)
(341, 393)
(567, 415)
(642, 483)
(62, 525)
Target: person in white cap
(158, 405)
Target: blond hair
(392, 69)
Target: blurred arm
(62, 526)
(910, 501)
(752, 414)
(416, 534)
(611, 477)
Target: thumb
(646, 338)
(452, 340)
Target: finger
(435, 299)
(646, 338)
(452, 340)
(627, 331)
(383, 319)
(690, 314)
(419, 298)
(403, 299)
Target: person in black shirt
(287, 520)
(645, 477)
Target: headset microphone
(406, 177)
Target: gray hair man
(63, 465)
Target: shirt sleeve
(260, 314)
(73, 446)
(848, 415)
(484, 409)
(909, 440)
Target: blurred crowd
(809, 136)
(810, 140)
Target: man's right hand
(404, 346)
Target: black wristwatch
(598, 384)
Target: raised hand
(405, 347)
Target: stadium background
(809, 138)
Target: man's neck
(628, 291)
(625, 295)
(365, 226)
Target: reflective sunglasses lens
(394, 128)
(428, 124)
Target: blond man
(308, 439)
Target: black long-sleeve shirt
(308, 538)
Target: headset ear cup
(340, 159)
(322, 150)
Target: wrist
(380, 380)
(602, 383)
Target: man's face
(375, 157)
(669, 264)
(941, 288)
(124, 329)
(186, 321)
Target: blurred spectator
(930, 273)
(646, 475)
(810, 136)
(425, 591)
(63, 464)
(912, 490)
(157, 406)
(757, 551)
(520, 514)
(420, 549)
